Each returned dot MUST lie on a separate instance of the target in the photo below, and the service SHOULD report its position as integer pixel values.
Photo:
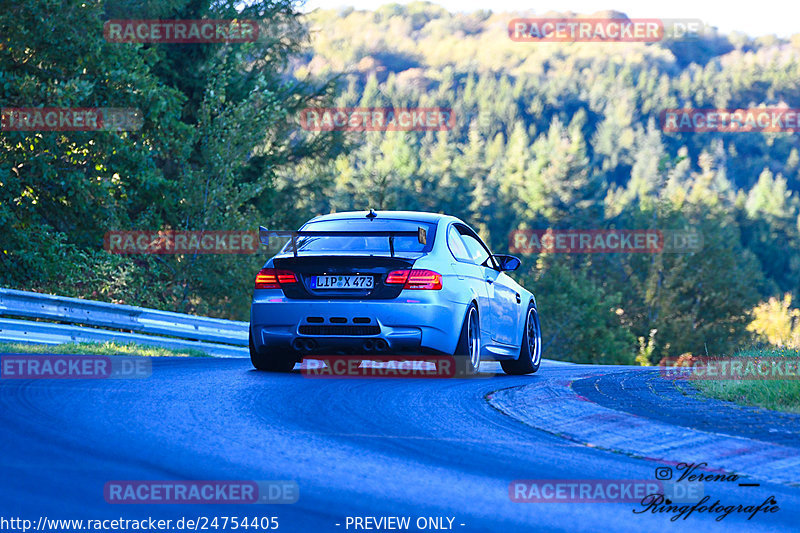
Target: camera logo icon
(663, 473)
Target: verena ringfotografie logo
(730, 368)
(180, 31)
(361, 366)
(660, 504)
(598, 30)
(603, 241)
(201, 492)
(377, 119)
(758, 119)
(181, 242)
(599, 490)
(697, 475)
(70, 119)
(19, 366)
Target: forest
(544, 136)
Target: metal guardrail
(211, 335)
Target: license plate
(342, 282)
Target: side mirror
(507, 262)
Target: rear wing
(264, 234)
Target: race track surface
(356, 447)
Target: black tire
(467, 364)
(270, 362)
(530, 353)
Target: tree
(218, 123)
(776, 321)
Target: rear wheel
(530, 353)
(270, 362)
(468, 350)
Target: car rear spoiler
(264, 234)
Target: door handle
(518, 298)
(489, 281)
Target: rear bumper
(415, 322)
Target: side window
(477, 252)
(456, 245)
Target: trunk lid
(309, 267)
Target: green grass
(98, 348)
(775, 394)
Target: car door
(503, 298)
(507, 293)
(471, 274)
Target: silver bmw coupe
(388, 283)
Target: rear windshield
(363, 243)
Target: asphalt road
(355, 447)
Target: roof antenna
(372, 214)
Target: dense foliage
(566, 135)
(215, 133)
(546, 135)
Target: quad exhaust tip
(304, 345)
(376, 345)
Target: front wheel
(274, 362)
(468, 350)
(530, 353)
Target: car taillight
(397, 276)
(416, 279)
(270, 278)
